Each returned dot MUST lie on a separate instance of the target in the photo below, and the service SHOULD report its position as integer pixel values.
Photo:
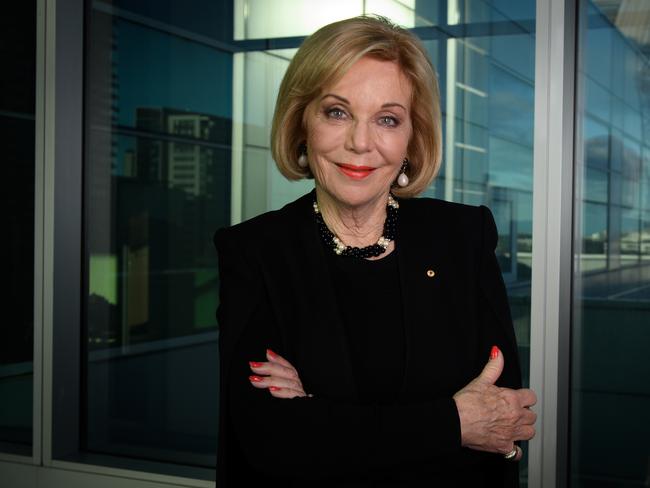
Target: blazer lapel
(323, 351)
(433, 336)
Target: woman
(356, 326)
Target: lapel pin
(431, 273)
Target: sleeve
(497, 329)
(310, 436)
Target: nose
(359, 138)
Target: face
(358, 132)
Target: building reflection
(611, 287)
(171, 190)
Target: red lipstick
(355, 172)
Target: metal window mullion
(552, 238)
(39, 213)
(47, 298)
(62, 132)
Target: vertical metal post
(62, 220)
(237, 161)
(552, 238)
(450, 118)
(39, 211)
(48, 227)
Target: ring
(512, 454)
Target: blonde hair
(324, 58)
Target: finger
(527, 397)
(258, 381)
(268, 381)
(258, 367)
(509, 449)
(524, 433)
(493, 368)
(284, 383)
(276, 358)
(520, 454)
(285, 392)
(274, 369)
(528, 417)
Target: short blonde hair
(324, 58)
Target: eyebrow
(345, 100)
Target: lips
(355, 172)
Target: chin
(357, 195)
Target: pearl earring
(302, 159)
(402, 179)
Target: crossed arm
(491, 418)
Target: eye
(388, 121)
(335, 113)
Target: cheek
(394, 145)
(322, 139)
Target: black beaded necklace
(372, 251)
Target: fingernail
(274, 388)
(255, 379)
(255, 364)
(271, 353)
(494, 352)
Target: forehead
(373, 79)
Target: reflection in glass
(157, 177)
(610, 394)
(17, 126)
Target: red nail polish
(494, 352)
(255, 364)
(271, 353)
(254, 378)
(274, 388)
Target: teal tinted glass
(610, 393)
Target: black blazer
(276, 292)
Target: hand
(492, 418)
(278, 375)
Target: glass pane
(610, 394)
(157, 179)
(17, 104)
(178, 123)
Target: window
(610, 363)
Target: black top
(277, 291)
(370, 305)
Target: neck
(358, 226)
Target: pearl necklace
(333, 242)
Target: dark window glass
(157, 185)
(17, 126)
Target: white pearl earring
(402, 179)
(302, 159)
